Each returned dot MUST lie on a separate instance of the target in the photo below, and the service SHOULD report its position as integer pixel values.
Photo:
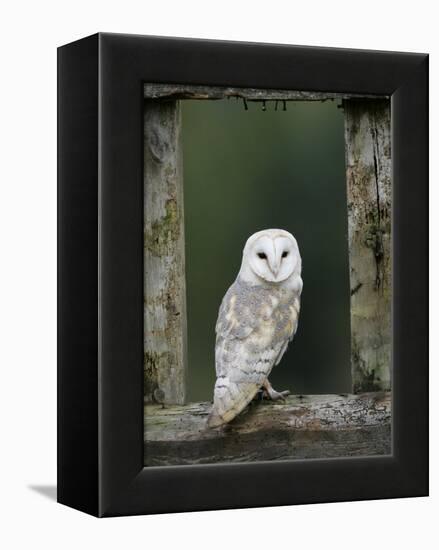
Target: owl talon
(272, 394)
(276, 395)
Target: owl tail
(230, 399)
(214, 420)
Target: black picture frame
(100, 274)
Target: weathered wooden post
(164, 272)
(369, 194)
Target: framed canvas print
(242, 267)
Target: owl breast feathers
(255, 325)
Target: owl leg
(272, 393)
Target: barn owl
(257, 319)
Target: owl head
(271, 255)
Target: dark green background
(250, 170)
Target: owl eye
(284, 254)
(262, 255)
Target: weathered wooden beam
(369, 195)
(189, 91)
(164, 277)
(311, 426)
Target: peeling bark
(164, 277)
(311, 426)
(369, 194)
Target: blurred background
(247, 170)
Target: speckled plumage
(257, 319)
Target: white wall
(30, 33)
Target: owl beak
(275, 269)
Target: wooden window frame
(356, 424)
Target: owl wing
(232, 326)
(294, 324)
(250, 340)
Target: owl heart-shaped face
(271, 255)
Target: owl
(257, 319)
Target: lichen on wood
(310, 426)
(369, 195)
(164, 261)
